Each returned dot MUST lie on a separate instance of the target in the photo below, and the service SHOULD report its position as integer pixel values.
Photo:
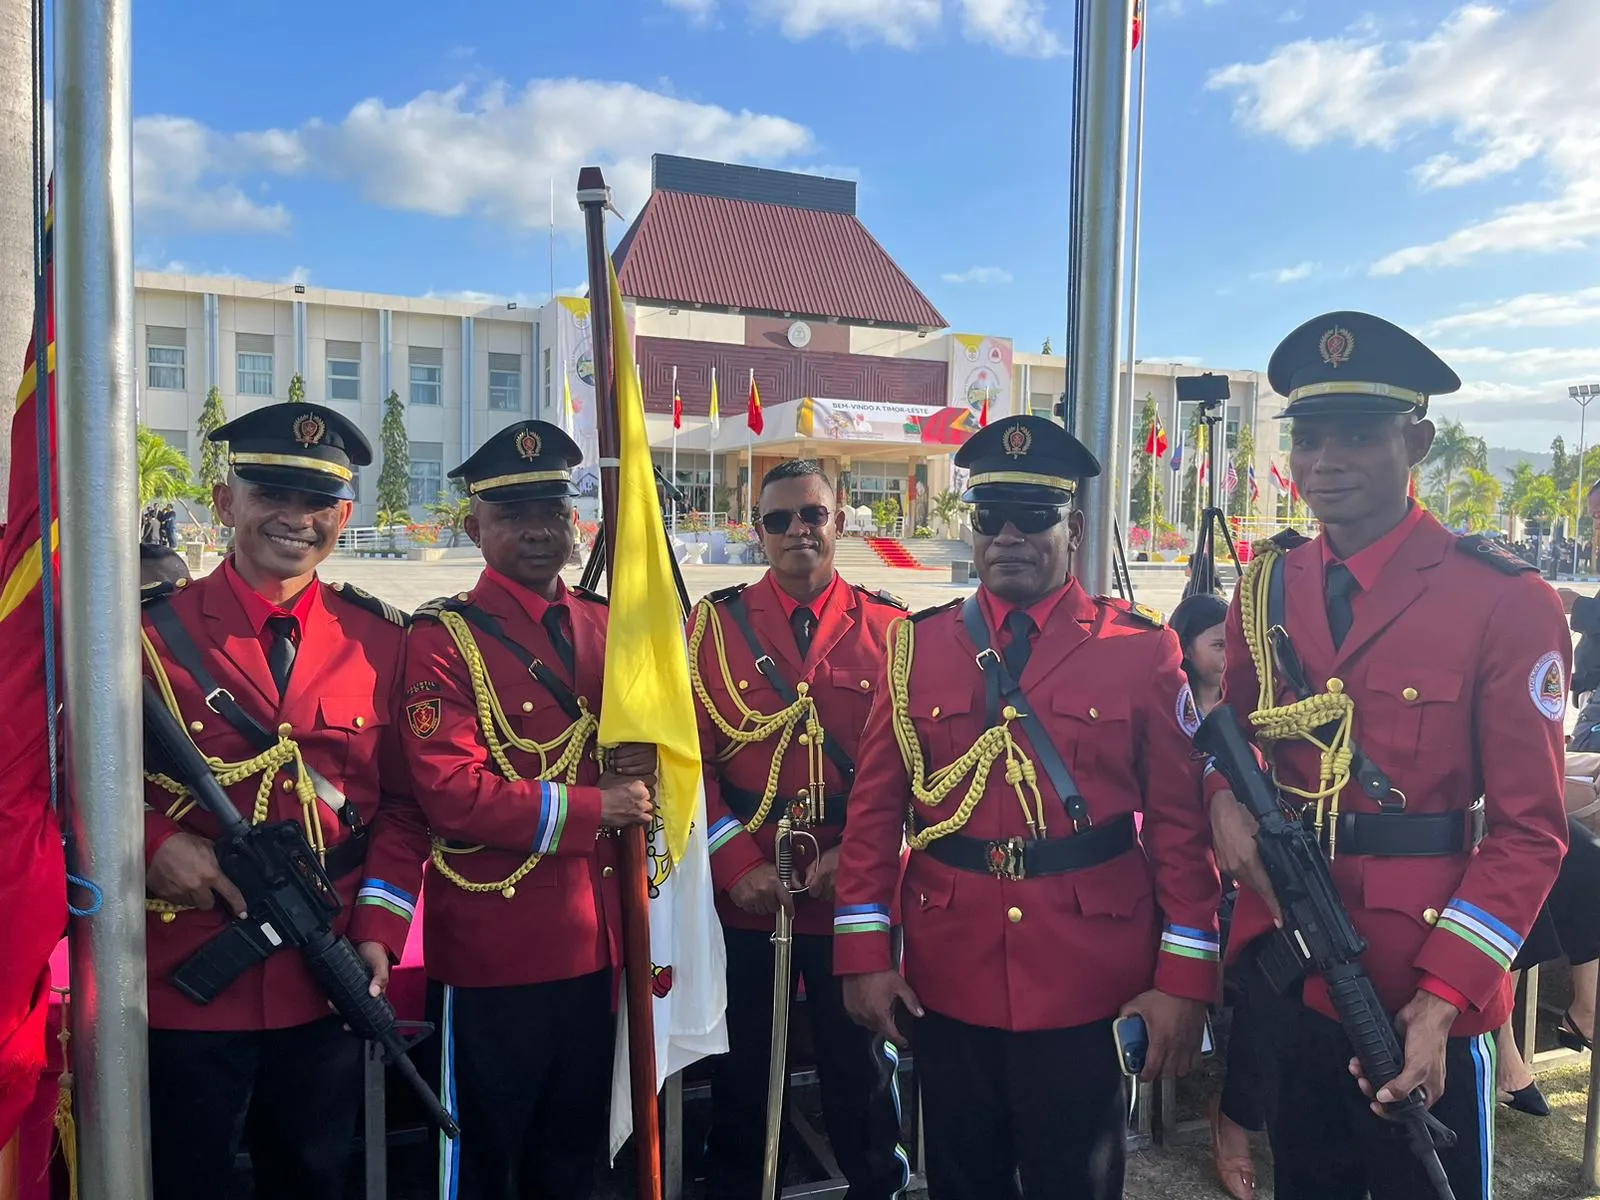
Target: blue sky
(1432, 161)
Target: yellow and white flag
(647, 698)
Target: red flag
(752, 409)
(1156, 444)
(983, 413)
(1279, 480)
(677, 409)
(1138, 22)
(32, 871)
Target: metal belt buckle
(211, 699)
(986, 652)
(1006, 859)
(765, 658)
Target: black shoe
(1529, 1100)
(1570, 1036)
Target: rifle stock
(1319, 927)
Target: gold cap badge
(310, 429)
(1017, 440)
(529, 444)
(1337, 346)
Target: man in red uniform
(265, 662)
(1013, 738)
(1444, 659)
(522, 919)
(755, 649)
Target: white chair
(852, 521)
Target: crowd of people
(158, 525)
(1021, 867)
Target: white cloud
(1292, 274)
(1513, 87)
(1534, 310)
(1529, 360)
(490, 152)
(898, 23)
(300, 275)
(180, 171)
(1015, 26)
(979, 275)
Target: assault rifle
(291, 902)
(1320, 934)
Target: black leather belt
(745, 804)
(1025, 858)
(1411, 835)
(346, 858)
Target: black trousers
(526, 1072)
(1247, 1084)
(1568, 924)
(1328, 1144)
(860, 1103)
(294, 1094)
(1046, 1107)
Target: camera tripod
(1203, 562)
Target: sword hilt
(784, 848)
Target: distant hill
(1502, 460)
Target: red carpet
(894, 554)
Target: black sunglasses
(990, 519)
(777, 521)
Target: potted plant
(736, 539)
(947, 511)
(424, 543)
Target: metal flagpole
(1152, 507)
(711, 450)
(749, 451)
(677, 419)
(1133, 263)
(1100, 151)
(553, 242)
(100, 584)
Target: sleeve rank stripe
(1482, 930)
(385, 895)
(723, 832)
(1191, 943)
(861, 918)
(552, 817)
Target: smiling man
(1014, 737)
(522, 920)
(1444, 660)
(263, 657)
(770, 750)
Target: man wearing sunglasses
(783, 672)
(1015, 736)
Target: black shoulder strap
(883, 596)
(1374, 782)
(546, 677)
(1493, 554)
(221, 701)
(375, 606)
(1002, 687)
(741, 617)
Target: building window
(178, 439)
(1230, 429)
(547, 393)
(427, 472)
(344, 370)
(165, 352)
(1285, 436)
(1042, 404)
(254, 354)
(693, 478)
(871, 482)
(427, 375)
(505, 382)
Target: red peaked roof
(728, 253)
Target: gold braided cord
(993, 743)
(267, 764)
(1298, 721)
(497, 735)
(755, 726)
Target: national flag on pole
(716, 417)
(1255, 491)
(1156, 444)
(648, 699)
(983, 413)
(1230, 481)
(1176, 462)
(1138, 22)
(1278, 479)
(752, 408)
(33, 913)
(1205, 463)
(568, 422)
(677, 408)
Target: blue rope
(96, 896)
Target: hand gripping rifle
(291, 902)
(782, 989)
(1322, 933)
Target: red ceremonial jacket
(563, 919)
(845, 661)
(1458, 673)
(339, 708)
(1053, 951)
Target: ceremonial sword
(782, 987)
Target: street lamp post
(1583, 393)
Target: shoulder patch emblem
(1493, 554)
(1547, 685)
(1153, 615)
(423, 716)
(1188, 714)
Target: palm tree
(164, 472)
(1476, 497)
(451, 509)
(1454, 451)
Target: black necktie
(280, 655)
(804, 624)
(562, 643)
(1341, 587)
(1020, 626)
